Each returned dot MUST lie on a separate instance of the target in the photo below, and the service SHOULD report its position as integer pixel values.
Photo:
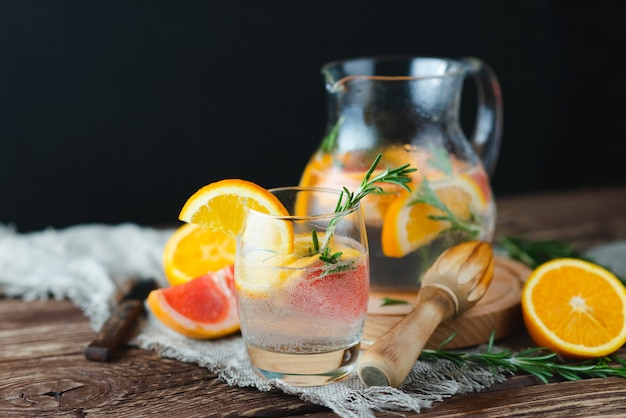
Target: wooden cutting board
(499, 310)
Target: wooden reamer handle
(390, 359)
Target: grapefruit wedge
(202, 308)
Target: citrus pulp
(192, 251)
(202, 308)
(576, 308)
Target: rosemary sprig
(348, 199)
(534, 253)
(539, 362)
(330, 141)
(391, 301)
(440, 159)
(398, 176)
(428, 196)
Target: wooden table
(44, 372)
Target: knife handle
(113, 330)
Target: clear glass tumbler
(302, 287)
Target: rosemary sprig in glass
(348, 199)
(539, 362)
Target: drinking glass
(302, 287)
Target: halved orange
(408, 226)
(220, 206)
(192, 251)
(576, 308)
(202, 308)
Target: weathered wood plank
(44, 373)
(592, 397)
(138, 381)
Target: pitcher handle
(487, 133)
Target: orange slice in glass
(262, 273)
(576, 308)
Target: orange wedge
(203, 308)
(221, 205)
(407, 227)
(576, 308)
(192, 251)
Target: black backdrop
(117, 111)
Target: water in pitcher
(450, 202)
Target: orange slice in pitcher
(407, 227)
(220, 206)
(576, 308)
(192, 251)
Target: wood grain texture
(44, 372)
(583, 398)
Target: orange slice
(192, 251)
(262, 273)
(576, 308)
(221, 205)
(315, 168)
(407, 227)
(203, 308)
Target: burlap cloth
(91, 264)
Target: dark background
(118, 111)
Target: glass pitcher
(408, 109)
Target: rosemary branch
(539, 362)
(428, 196)
(533, 253)
(348, 199)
